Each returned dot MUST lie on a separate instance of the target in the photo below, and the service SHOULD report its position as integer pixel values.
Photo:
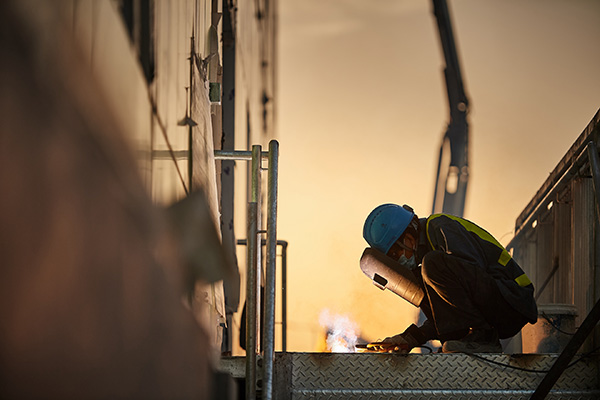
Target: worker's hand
(402, 343)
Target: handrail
(560, 183)
(284, 244)
(591, 132)
(254, 263)
(587, 326)
(238, 155)
(253, 275)
(269, 317)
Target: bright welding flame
(341, 332)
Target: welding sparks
(341, 332)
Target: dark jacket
(466, 240)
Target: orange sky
(362, 110)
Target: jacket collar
(422, 247)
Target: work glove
(402, 343)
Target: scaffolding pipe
(264, 380)
(253, 277)
(283, 244)
(269, 310)
(251, 303)
(237, 155)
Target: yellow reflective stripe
(523, 280)
(504, 258)
(427, 228)
(471, 227)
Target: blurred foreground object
(90, 294)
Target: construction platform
(423, 376)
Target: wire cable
(553, 324)
(545, 371)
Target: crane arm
(453, 166)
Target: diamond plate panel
(441, 394)
(301, 376)
(331, 371)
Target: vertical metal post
(283, 295)
(253, 276)
(255, 379)
(269, 310)
(283, 244)
(232, 289)
(595, 169)
(251, 306)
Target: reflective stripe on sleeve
(504, 258)
(523, 280)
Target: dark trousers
(462, 295)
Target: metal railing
(260, 380)
(541, 235)
(283, 244)
(587, 326)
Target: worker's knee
(432, 265)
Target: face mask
(409, 263)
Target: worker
(475, 292)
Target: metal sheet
(418, 376)
(435, 372)
(441, 394)
(583, 247)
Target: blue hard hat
(385, 224)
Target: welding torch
(384, 347)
